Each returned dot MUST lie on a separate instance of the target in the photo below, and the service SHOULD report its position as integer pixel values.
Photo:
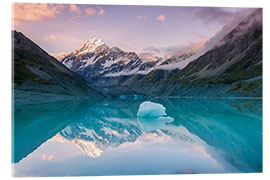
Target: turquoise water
(138, 136)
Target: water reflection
(34, 124)
(152, 116)
(111, 138)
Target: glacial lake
(138, 137)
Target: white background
(5, 83)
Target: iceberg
(150, 109)
(152, 116)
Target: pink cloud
(33, 12)
(95, 11)
(91, 11)
(49, 37)
(74, 8)
(178, 50)
(101, 11)
(190, 48)
(161, 17)
(141, 17)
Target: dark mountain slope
(37, 75)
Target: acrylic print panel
(136, 90)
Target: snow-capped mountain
(98, 63)
(89, 46)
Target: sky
(155, 30)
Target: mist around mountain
(229, 66)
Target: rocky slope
(39, 76)
(232, 68)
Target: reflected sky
(79, 138)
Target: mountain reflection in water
(110, 138)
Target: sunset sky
(156, 29)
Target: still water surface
(142, 136)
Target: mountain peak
(95, 40)
(89, 46)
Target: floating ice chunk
(150, 109)
(152, 116)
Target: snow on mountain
(175, 59)
(149, 57)
(94, 61)
(89, 46)
(103, 66)
(91, 141)
(89, 148)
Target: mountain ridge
(103, 63)
(37, 75)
